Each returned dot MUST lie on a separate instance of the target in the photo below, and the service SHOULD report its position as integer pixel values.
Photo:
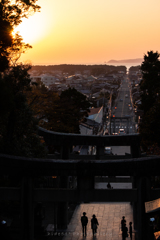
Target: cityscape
(79, 120)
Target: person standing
(130, 230)
(94, 224)
(84, 222)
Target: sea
(128, 65)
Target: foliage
(71, 69)
(58, 113)
(74, 110)
(44, 104)
(134, 68)
(150, 100)
(18, 128)
(150, 84)
(98, 71)
(11, 13)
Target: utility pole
(110, 110)
(104, 112)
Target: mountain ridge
(135, 60)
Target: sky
(91, 31)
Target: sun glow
(32, 29)
(91, 32)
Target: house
(93, 123)
(46, 79)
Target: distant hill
(135, 61)
(71, 68)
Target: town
(79, 120)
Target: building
(93, 123)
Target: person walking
(84, 222)
(123, 221)
(124, 232)
(94, 224)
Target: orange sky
(91, 31)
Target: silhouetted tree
(18, 128)
(41, 100)
(74, 109)
(134, 68)
(98, 70)
(150, 100)
(11, 14)
(61, 113)
(66, 113)
(71, 69)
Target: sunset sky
(91, 31)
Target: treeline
(135, 68)
(71, 68)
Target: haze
(91, 32)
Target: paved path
(109, 216)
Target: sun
(32, 29)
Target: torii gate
(85, 169)
(113, 119)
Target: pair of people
(84, 222)
(125, 229)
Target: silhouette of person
(84, 221)
(130, 230)
(94, 223)
(124, 232)
(123, 221)
(108, 185)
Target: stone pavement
(109, 216)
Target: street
(122, 115)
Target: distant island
(135, 61)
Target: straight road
(122, 110)
(122, 116)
